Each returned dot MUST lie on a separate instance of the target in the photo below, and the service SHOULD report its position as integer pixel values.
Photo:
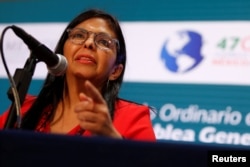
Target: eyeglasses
(103, 41)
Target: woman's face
(89, 61)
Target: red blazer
(130, 119)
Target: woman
(84, 101)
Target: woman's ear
(116, 72)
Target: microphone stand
(22, 78)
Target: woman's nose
(90, 42)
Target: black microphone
(56, 63)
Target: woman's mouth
(85, 59)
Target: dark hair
(52, 91)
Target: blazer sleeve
(133, 122)
(26, 105)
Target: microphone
(56, 63)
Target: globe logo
(181, 52)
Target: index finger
(93, 92)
